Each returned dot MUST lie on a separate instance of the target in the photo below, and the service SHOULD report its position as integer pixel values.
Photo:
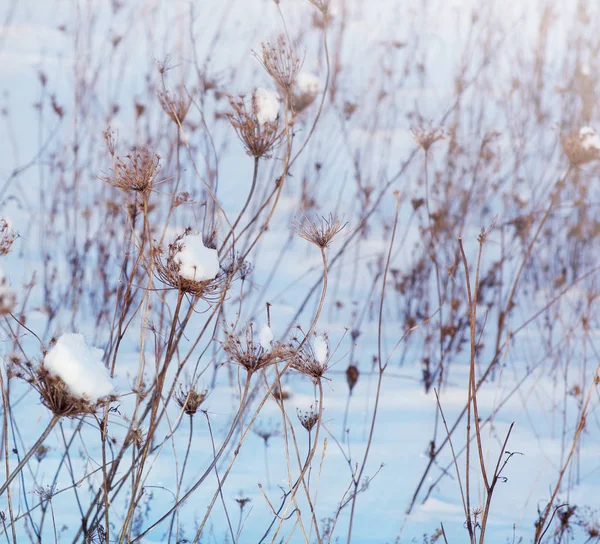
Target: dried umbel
(168, 269)
(259, 138)
(321, 5)
(246, 350)
(319, 231)
(190, 399)
(427, 136)
(581, 146)
(309, 418)
(7, 236)
(136, 171)
(53, 391)
(306, 359)
(175, 105)
(266, 431)
(281, 62)
(352, 375)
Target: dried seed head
(281, 62)
(319, 231)
(581, 146)
(259, 138)
(309, 418)
(41, 452)
(175, 105)
(190, 399)
(246, 350)
(110, 140)
(427, 136)
(352, 375)
(7, 236)
(243, 501)
(266, 430)
(306, 359)
(53, 391)
(168, 269)
(136, 171)
(321, 5)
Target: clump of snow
(308, 83)
(80, 367)
(589, 138)
(266, 105)
(8, 299)
(321, 348)
(198, 262)
(265, 337)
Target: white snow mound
(266, 337)
(589, 138)
(321, 349)
(266, 105)
(80, 367)
(198, 262)
(308, 83)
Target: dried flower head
(352, 375)
(259, 138)
(281, 62)
(266, 430)
(175, 105)
(190, 399)
(7, 236)
(41, 452)
(427, 136)
(319, 231)
(243, 501)
(169, 271)
(246, 350)
(136, 171)
(581, 146)
(321, 5)
(53, 391)
(309, 418)
(308, 358)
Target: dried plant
(53, 391)
(246, 350)
(135, 172)
(309, 418)
(189, 399)
(175, 105)
(427, 136)
(320, 232)
(168, 269)
(281, 62)
(7, 236)
(581, 146)
(259, 139)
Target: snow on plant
(8, 299)
(308, 83)
(266, 337)
(321, 348)
(266, 105)
(589, 138)
(197, 262)
(80, 367)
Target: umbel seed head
(320, 231)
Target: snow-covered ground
(64, 66)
